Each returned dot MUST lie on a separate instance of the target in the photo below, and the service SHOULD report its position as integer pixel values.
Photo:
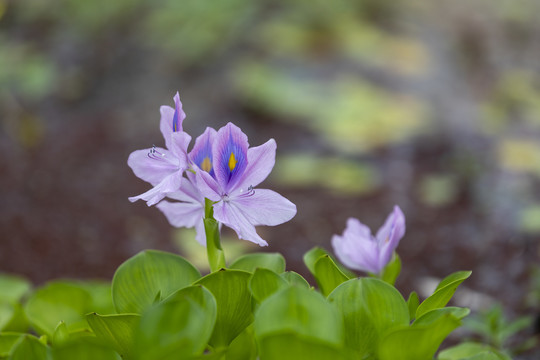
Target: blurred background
(434, 106)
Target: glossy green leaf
(177, 328)
(243, 347)
(7, 341)
(291, 346)
(328, 275)
(264, 283)
(250, 262)
(12, 317)
(413, 303)
(443, 293)
(84, 350)
(471, 351)
(61, 334)
(29, 348)
(312, 256)
(369, 308)
(101, 294)
(299, 311)
(233, 298)
(115, 331)
(295, 279)
(139, 279)
(13, 288)
(391, 270)
(427, 333)
(55, 302)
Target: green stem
(216, 256)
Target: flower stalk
(216, 256)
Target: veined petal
(208, 186)
(169, 184)
(187, 193)
(264, 207)
(228, 214)
(179, 144)
(179, 114)
(229, 152)
(390, 234)
(165, 124)
(152, 165)
(181, 214)
(261, 160)
(201, 154)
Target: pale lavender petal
(355, 229)
(208, 186)
(179, 144)
(230, 155)
(201, 154)
(228, 214)
(264, 207)
(152, 165)
(390, 234)
(179, 114)
(187, 193)
(200, 233)
(261, 160)
(169, 184)
(165, 124)
(182, 214)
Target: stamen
(155, 154)
(250, 192)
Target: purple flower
(163, 168)
(358, 249)
(188, 209)
(230, 172)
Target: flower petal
(261, 160)
(165, 124)
(207, 185)
(152, 165)
(181, 214)
(228, 214)
(179, 114)
(264, 207)
(230, 155)
(169, 184)
(390, 234)
(201, 154)
(179, 144)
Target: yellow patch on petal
(206, 164)
(232, 162)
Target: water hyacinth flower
(358, 249)
(163, 168)
(228, 176)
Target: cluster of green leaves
(160, 307)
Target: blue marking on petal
(175, 124)
(233, 150)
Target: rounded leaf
(148, 276)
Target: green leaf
(270, 261)
(61, 334)
(55, 302)
(471, 351)
(264, 283)
(427, 333)
(413, 303)
(391, 270)
(369, 308)
(13, 288)
(444, 292)
(7, 341)
(233, 298)
(243, 347)
(174, 329)
(101, 294)
(328, 275)
(139, 279)
(12, 317)
(291, 346)
(312, 256)
(295, 279)
(299, 311)
(29, 348)
(115, 331)
(84, 350)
